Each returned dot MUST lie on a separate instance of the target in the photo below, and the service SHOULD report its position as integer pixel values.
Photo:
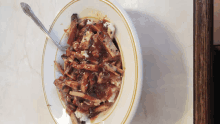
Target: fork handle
(27, 10)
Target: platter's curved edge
(138, 59)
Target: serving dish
(125, 106)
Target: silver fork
(27, 10)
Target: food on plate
(92, 71)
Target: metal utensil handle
(27, 10)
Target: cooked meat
(73, 29)
(109, 45)
(78, 55)
(103, 77)
(84, 96)
(102, 108)
(100, 78)
(64, 57)
(58, 83)
(61, 78)
(71, 107)
(82, 32)
(92, 79)
(111, 93)
(99, 25)
(113, 69)
(109, 58)
(68, 99)
(85, 53)
(74, 100)
(84, 45)
(65, 65)
(95, 38)
(68, 51)
(76, 45)
(68, 68)
(89, 67)
(116, 80)
(72, 84)
(84, 83)
(69, 111)
(83, 106)
(110, 29)
(59, 67)
(66, 89)
(73, 118)
(73, 76)
(82, 23)
(93, 61)
(119, 64)
(83, 116)
(95, 53)
(89, 103)
(92, 71)
(95, 29)
(113, 63)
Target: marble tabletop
(166, 25)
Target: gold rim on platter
(135, 59)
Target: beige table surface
(165, 30)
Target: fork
(27, 10)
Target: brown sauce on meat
(78, 66)
(93, 116)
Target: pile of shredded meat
(92, 71)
